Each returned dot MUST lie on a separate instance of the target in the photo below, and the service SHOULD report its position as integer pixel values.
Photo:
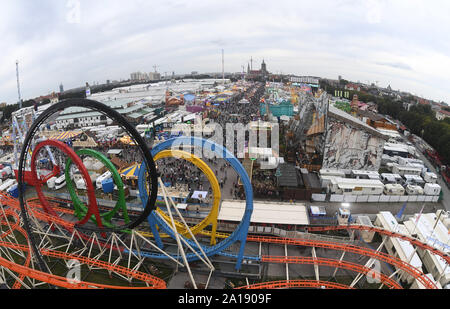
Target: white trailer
(413, 180)
(100, 179)
(391, 178)
(429, 177)
(432, 189)
(414, 190)
(325, 181)
(60, 182)
(326, 175)
(358, 174)
(331, 172)
(406, 170)
(385, 159)
(80, 183)
(394, 189)
(406, 161)
(51, 183)
(348, 186)
(7, 184)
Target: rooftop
(270, 213)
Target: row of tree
(419, 119)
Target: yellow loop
(211, 219)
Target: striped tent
(127, 140)
(65, 135)
(131, 171)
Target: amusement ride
(43, 234)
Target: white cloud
(404, 43)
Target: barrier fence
(339, 198)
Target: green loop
(80, 208)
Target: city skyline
(71, 42)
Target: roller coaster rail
(97, 242)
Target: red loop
(92, 205)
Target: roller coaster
(39, 230)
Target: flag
(420, 213)
(400, 213)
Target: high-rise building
(61, 88)
(139, 76)
(154, 76)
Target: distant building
(304, 80)
(154, 76)
(52, 98)
(258, 73)
(442, 114)
(352, 87)
(138, 76)
(76, 117)
(423, 101)
(61, 88)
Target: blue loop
(240, 234)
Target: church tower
(263, 67)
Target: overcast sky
(404, 43)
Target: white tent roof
(265, 212)
(197, 194)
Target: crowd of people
(181, 173)
(264, 184)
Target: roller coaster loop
(80, 208)
(240, 234)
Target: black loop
(131, 131)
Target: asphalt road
(446, 199)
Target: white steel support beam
(316, 266)
(368, 264)
(287, 264)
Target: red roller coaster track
(36, 209)
(293, 284)
(24, 270)
(416, 273)
(332, 263)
